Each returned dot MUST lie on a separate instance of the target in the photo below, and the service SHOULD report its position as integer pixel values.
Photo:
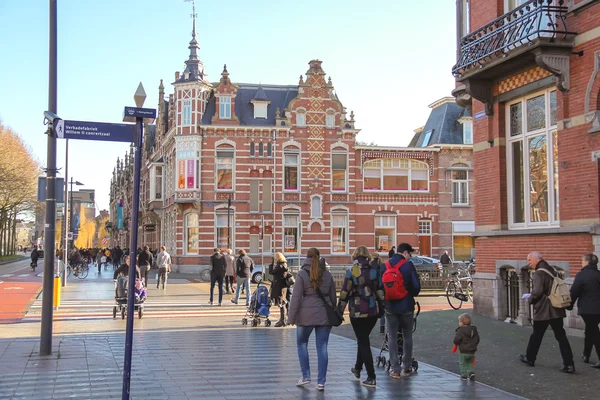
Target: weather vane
(193, 14)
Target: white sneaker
(302, 382)
(320, 387)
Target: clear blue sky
(388, 60)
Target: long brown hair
(316, 274)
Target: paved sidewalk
(206, 363)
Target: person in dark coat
(392, 252)
(124, 269)
(545, 315)
(586, 292)
(377, 263)
(243, 267)
(218, 267)
(279, 270)
(145, 263)
(308, 312)
(445, 259)
(34, 258)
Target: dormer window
(260, 109)
(225, 107)
(300, 118)
(427, 138)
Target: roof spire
(194, 69)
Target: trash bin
(56, 296)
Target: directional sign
(140, 112)
(87, 130)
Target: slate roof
(260, 94)
(279, 96)
(443, 122)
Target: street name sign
(139, 112)
(88, 130)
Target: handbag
(335, 319)
(289, 280)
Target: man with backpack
(549, 301)
(217, 273)
(401, 284)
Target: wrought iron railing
(532, 20)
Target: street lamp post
(229, 222)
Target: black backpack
(240, 266)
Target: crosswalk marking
(6, 275)
(23, 275)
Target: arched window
(339, 232)
(261, 149)
(269, 149)
(191, 233)
(224, 166)
(252, 149)
(397, 175)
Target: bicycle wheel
(205, 275)
(83, 272)
(470, 290)
(452, 289)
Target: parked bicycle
(459, 288)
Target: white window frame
(334, 226)
(330, 121)
(153, 176)
(345, 190)
(463, 188)
(385, 221)
(186, 229)
(186, 112)
(223, 212)
(217, 168)
(468, 132)
(296, 226)
(381, 168)
(291, 152)
(224, 107)
(260, 109)
(466, 17)
(553, 192)
(425, 227)
(301, 118)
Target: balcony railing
(526, 23)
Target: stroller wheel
(114, 312)
(123, 313)
(244, 321)
(254, 323)
(258, 321)
(268, 323)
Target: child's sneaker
(302, 382)
(472, 376)
(463, 378)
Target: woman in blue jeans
(307, 311)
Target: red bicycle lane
(18, 291)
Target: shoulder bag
(335, 319)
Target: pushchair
(121, 291)
(381, 360)
(260, 305)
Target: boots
(281, 321)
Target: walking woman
(279, 270)
(363, 293)
(586, 291)
(314, 286)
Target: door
(425, 245)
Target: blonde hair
(315, 274)
(464, 319)
(279, 257)
(361, 251)
(242, 252)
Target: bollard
(56, 297)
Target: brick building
(274, 168)
(529, 73)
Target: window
(467, 132)
(427, 138)
(156, 183)
(396, 175)
(385, 232)
(339, 233)
(460, 187)
(252, 149)
(254, 244)
(532, 161)
(261, 149)
(466, 15)
(224, 170)
(269, 149)
(224, 237)
(187, 112)
(191, 233)
(224, 107)
(290, 171)
(300, 118)
(267, 197)
(290, 232)
(254, 195)
(186, 169)
(463, 241)
(315, 207)
(338, 172)
(260, 109)
(330, 121)
(425, 227)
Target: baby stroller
(121, 291)
(381, 361)
(260, 304)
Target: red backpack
(393, 282)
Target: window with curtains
(191, 233)
(290, 232)
(339, 172)
(291, 162)
(339, 232)
(398, 175)
(532, 161)
(224, 169)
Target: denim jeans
(213, 280)
(395, 323)
(322, 335)
(246, 283)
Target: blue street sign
(479, 115)
(210, 204)
(88, 130)
(140, 112)
(59, 189)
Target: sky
(388, 60)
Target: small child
(140, 292)
(466, 340)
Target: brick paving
(205, 363)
